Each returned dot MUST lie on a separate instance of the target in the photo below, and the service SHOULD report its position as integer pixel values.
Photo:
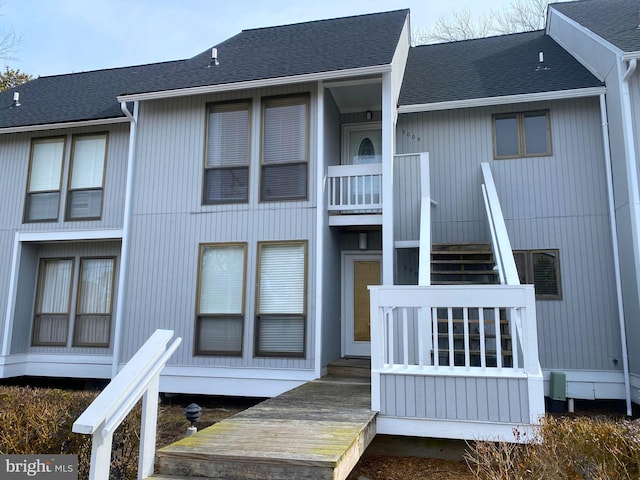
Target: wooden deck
(316, 431)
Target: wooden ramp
(316, 431)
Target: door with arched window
(362, 145)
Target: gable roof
(616, 21)
(490, 67)
(263, 53)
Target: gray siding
(455, 398)
(548, 202)
(406, 198)
(25, 298)
(169, 222)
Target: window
(284, 148)
(226, 175)
(220, 315)
(84, 200)
(43, 187)
(542, 269)
(95, 297)
(280, 309)
(521, 135)
(51, 320)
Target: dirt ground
(172, 426)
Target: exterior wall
(169, 222)
(23, 312)
(455, 398)
(548, 202)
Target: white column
(388, 138)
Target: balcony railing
(355, 188)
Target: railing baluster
(513, 329)
(436, 345)
(496, 319)
(421, 338)
(465, 326)
(391, 327)
(405, 336)
(483, 358)
(450, 334)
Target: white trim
(51, 365)
(407, 243)
(247, 382)
(348, 220)
(11, 298)
(66, 235)
(631, 55)
(55, 126)
(321, 213)
(351, 83)
(590, 384)
(267, 82)
(459, 372)
(504, 100)
(454, 429)
(593, 36)
(388, 149)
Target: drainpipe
(124, 254)
(616, 254)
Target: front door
(359, 271)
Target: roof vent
(214, 57)
(16, 100)
(541, 66)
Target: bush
(39, 421)
(564, 448)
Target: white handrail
(140, 377)
(501, 243)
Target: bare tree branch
(9, 40)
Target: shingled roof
(616, 21)
(490, 67)
(263, 53)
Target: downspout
(124, 254)
(616, 254)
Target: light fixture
(369, 114)
(362, 241)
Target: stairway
(462, 264)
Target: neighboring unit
(445, 210)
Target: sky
(65, 36)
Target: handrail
(354, 187)
(140, 378)
(500, 238)
(424, 261)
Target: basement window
(517, 135)
(542, 269)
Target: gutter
(616, 253)
(124, 253)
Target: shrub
(564, 448)
(39, 421)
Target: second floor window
(84, 200)
(226, 176)
(525, 134)
(285, 148)
(45, 174)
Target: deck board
(318, 430)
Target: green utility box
(557, 392)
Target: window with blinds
(220, 315)
(285, 149)
(84, 200)
(281, 313)
(95, 298)
(53, 296)
(542, 269)
(43, 186)
(226, 171)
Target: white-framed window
(226, 170)
(285, 148)
(92, 326)
(525, 134)
(281, 299)
(86, 178)
(53, 300)
(44, 183)
(220, 303)
(542, 269)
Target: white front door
(358, 272)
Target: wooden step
(350, 367)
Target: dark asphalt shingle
(490, 67)
(616, 21)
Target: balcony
(355, 194)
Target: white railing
(453, 330)
(354, 188)
(140, 378)
(500, 243)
